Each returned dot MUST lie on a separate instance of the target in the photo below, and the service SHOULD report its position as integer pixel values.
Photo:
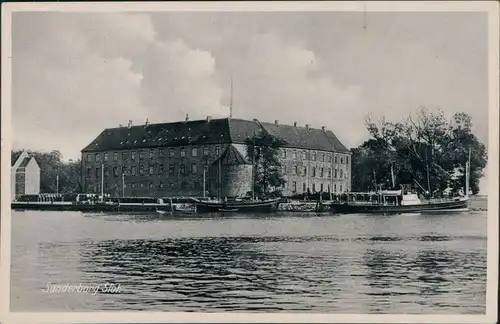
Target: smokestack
(147, 121)
(129, 123)
(307, 126)
(295, 124)
(187, 117)
(209, 118)
(276, 122)
(323, 128)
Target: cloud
(75, 74)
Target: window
(132, 156)
(171, 152)
(341, 160)
(345, 174)
(205, 151)
(171, 168)
(304, 187)
(294, 186)
(322, 157)
(160, 169)
(115, 156)
(124, 170)
(133, 170)
(194, 152)
(89, 157)
(321, 187)
(151, 170)
(321, 172)
(346, 160)
(335, 174)
(89, 172)
(124, 156)
(151, 185)
(141, 155)
(305, 171)
(340, 187)
(335, 187)
(314, 187)
(341, 175)
(106, 172)
(217, 150)
(115, 171)
(294, 154)
(194, 168)
(151, 153)
(183, 152)
(161, 184)
(97, 157)
(329, 173)
(142, 185)
(97, 173)
(336, 159)
(105, 185)
(304, 155)
(141, 169)
(183, 169)
(313, 171)
(105, 157)
(314, 155)
(283, 153)
(133, 185)
(296, 170)
(329, 158)
(161, 152)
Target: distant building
(25, 176)
(168, 159)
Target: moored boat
(242, 206)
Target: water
(414, 264)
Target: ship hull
(237, 207)
(445, 206)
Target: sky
(74, 74)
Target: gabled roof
(200, 132)
(25, 162)
(231, 156)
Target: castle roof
(231, 156)
(214, 131)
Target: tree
(52, 166)
(264, 149)
(426, 150)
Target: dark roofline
(225, 128)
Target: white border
(490, 7)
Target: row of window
(322, 187)
(195, 185)
(337, 173)
(316, 156)
(141, 170)
(142, 154)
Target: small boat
(236, 206)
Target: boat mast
(467, 175)
(253, 166)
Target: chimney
(307, 126)
(187, 117)
(209, 118)
(129, 123)
(323, 128)
(276, 122)
(295, 124)
(147, 121)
